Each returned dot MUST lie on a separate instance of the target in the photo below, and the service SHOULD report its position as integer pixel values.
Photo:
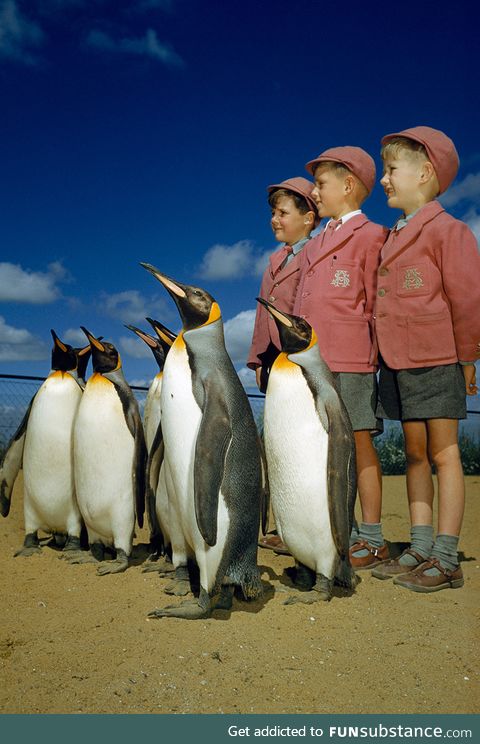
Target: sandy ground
(74, 642)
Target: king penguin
(159, 347)
(212, 458)
(156, 489)
(43, 444)
(109, 456)
(310, 452)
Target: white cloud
(18, 344)
(468, 189)
(33, 287)
(18, 35)
(74, 337)
(132, 307)
(238, 335)
(145, 46)
(233, 261)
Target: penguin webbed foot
(189, 609)
(30, 546)
(76, 557)
(163, 566)
(321, 592)
(26, 552)
(180, 586)
(118, 565)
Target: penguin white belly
(152, 410)
(181, 417)
(49, 502)
(296, 446)
(104, 451)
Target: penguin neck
(116, 376)
(60, 374)
(311, 361)
(206, 339)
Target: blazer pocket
(343, 278)
(349, 340)
(430, 337)
(413, 280)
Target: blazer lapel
(399, 240)
(318, 252)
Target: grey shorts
(358, 391)
(422, 393)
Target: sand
(74, 642)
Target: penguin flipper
(265, 493)
(12, 463)
(135, 426)
(138, 475)
(341, 475)
(211, 448)
(154, 463)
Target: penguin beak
(174, 288)
(93, 341)
(276, 314)
(84, 350)
(162, 331)
(152, 342)
(57, 341)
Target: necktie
(330, 229)
(288, 252)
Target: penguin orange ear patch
(215, 313)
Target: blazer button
(310, 273)
(382, 292)
(305, 294)
(276, 285)
(383, 271)
(271, 298)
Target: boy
(336, 295)
(294, 215)
(428, 325)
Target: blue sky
(149, 130)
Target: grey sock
(421, 536)
(371, 533)
(446, 550)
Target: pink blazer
(336, 294)
(278, 286)
(428, 294)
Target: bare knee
(416, 455)
(445, 458)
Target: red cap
(301, 186)
(440, 150)
(354, 158)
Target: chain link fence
(17, 391)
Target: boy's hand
(258, 374)
(469, 373)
